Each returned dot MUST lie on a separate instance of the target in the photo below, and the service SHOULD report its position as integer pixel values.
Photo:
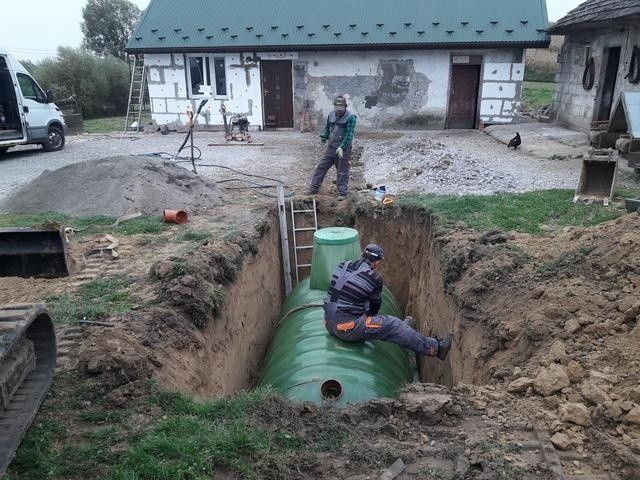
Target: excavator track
(27, 365)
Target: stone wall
(573, 105)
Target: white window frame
(209, 75)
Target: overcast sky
(33, 29)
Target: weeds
(180, 268)
(96, 299)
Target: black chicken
(515, 142)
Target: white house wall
(385, 89)
(402, 88)
(168, 92)
(575, 106)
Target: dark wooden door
(463, 96)
(277, 94)
(609, 84)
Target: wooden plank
(284, 241)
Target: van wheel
(55, 139)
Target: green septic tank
(305, 363)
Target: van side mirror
(49, 96)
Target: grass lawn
(109, 124)
(536, 95)
(526, 212)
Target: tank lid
(335, 236)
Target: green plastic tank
(330, 247)
(305, 363)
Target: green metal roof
(254, 25)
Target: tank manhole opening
(331, 390)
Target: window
(204, 80)
(30, 89)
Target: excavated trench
(231, 350)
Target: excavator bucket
(598, 177)
(32, 252)
(27, 364)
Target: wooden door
(277, 93)
(609, 84)
(463, 96)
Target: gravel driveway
(453, 162)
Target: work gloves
(339, 152)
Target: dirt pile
(115, 186)
(559, 315)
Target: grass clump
(92, 224)
(94, 300)
(526, 212)
(196, 438)
(194, 236)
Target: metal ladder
(136, 94)
(297, 230)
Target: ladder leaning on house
(136, 95)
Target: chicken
(515, 142)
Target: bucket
(379, 193)
(174, 216)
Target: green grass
(526, 212)
(194, 236)
(536, 95)
(94, 300)
(109, 124)
(135, 226)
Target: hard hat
(373, 252)
(340, 101)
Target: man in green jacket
(338, 134)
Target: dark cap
(340, 101)
(373, 252)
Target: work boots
(444, 345)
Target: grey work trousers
(342, 168)
(382, 327)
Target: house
(599, 59)
(407, 63)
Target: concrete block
(490, 107)
(159, 105)
(179, 106)
(174, 75)
(178, 59)
(497, 72)
(158, 60)
(160, 90)
(517, 72)
(154, 75)
(498, 90)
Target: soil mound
(115, 186)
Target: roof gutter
(379, 46)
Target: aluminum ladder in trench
(297, 230)
(136, 95)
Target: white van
(27, 113)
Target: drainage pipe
(305, 363)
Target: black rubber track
(33, 322)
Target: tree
(107, 25)
(100, 85)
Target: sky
(53, 24)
